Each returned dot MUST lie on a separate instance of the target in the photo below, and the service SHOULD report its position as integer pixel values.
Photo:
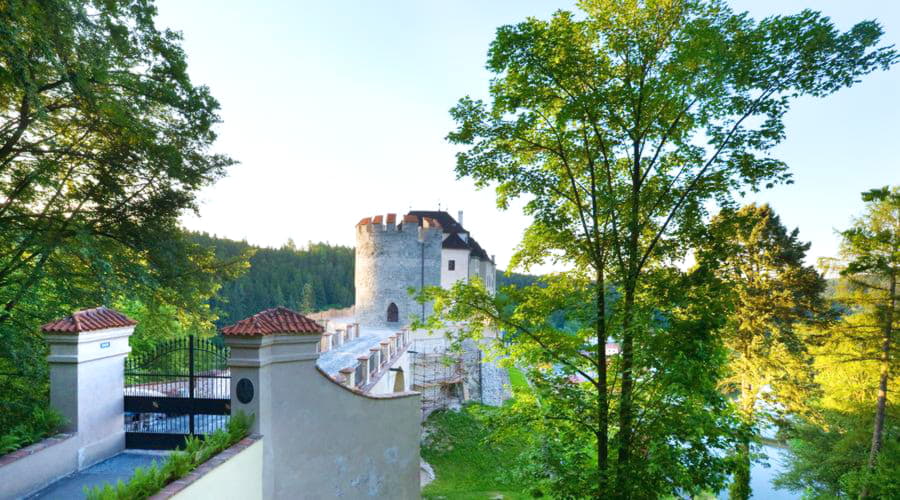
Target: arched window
(393, 313)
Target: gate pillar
(263, 348)
(87, 381)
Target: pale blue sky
(337, 110)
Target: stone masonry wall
(390, 259)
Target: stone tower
(391, 258)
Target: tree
(104, 143)
(308, 303)
(618, 127)
(870, 267)
(772, 294)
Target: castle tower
(391, 258)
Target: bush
(147, 482)
(42, 423)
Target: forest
(313, 278)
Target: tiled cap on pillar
(89, 320)
(278, 320)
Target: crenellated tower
(391, 258)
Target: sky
(338, 110)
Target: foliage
(856, 367)
(42, 423)
(146, 482)
(104, 143)
(770, 293)
(505, 279)
(314, 278)
(620, 127)
(466, 464)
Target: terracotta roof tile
(88, 320)
(272, 321)
(378, 219)
(410, 218)
(364, 221)
(391, 218)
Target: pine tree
(871, 252)
(772, 292)
(308, 300)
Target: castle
(425, 248)
(369, 346)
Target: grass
(517, 379)
(466, 467)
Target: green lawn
(466, 467)
(517, 379)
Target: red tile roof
(88, 320)
(410, 218)
(272, 321)
(364, 221)
(391, 218)
(378, 219)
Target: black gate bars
(180, 388)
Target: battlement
(412, 225)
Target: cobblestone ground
(494, 384)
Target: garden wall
(27, 470)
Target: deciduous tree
(104, 143)
(618, 127)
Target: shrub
(43, 422)
(146, 482)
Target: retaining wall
(25, 471)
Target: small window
(451, 265)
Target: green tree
(308, 302)
(618, 127)
(872, 249)
(104, 143)
(772, 294)
(851, 447)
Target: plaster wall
(86, 385)
(57, 457)
(461, 271)
(389, 261)
(324, 440)
(239, 478)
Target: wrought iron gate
(181, 388)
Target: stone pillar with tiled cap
(275, 344)
(87, 378)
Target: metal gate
(181, 388)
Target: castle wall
(391, 259)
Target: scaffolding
(445, 378)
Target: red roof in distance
(272, 321)
(89, 320)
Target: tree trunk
(626, 410)
(878, 426)
(740, 482)
(602, 395)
